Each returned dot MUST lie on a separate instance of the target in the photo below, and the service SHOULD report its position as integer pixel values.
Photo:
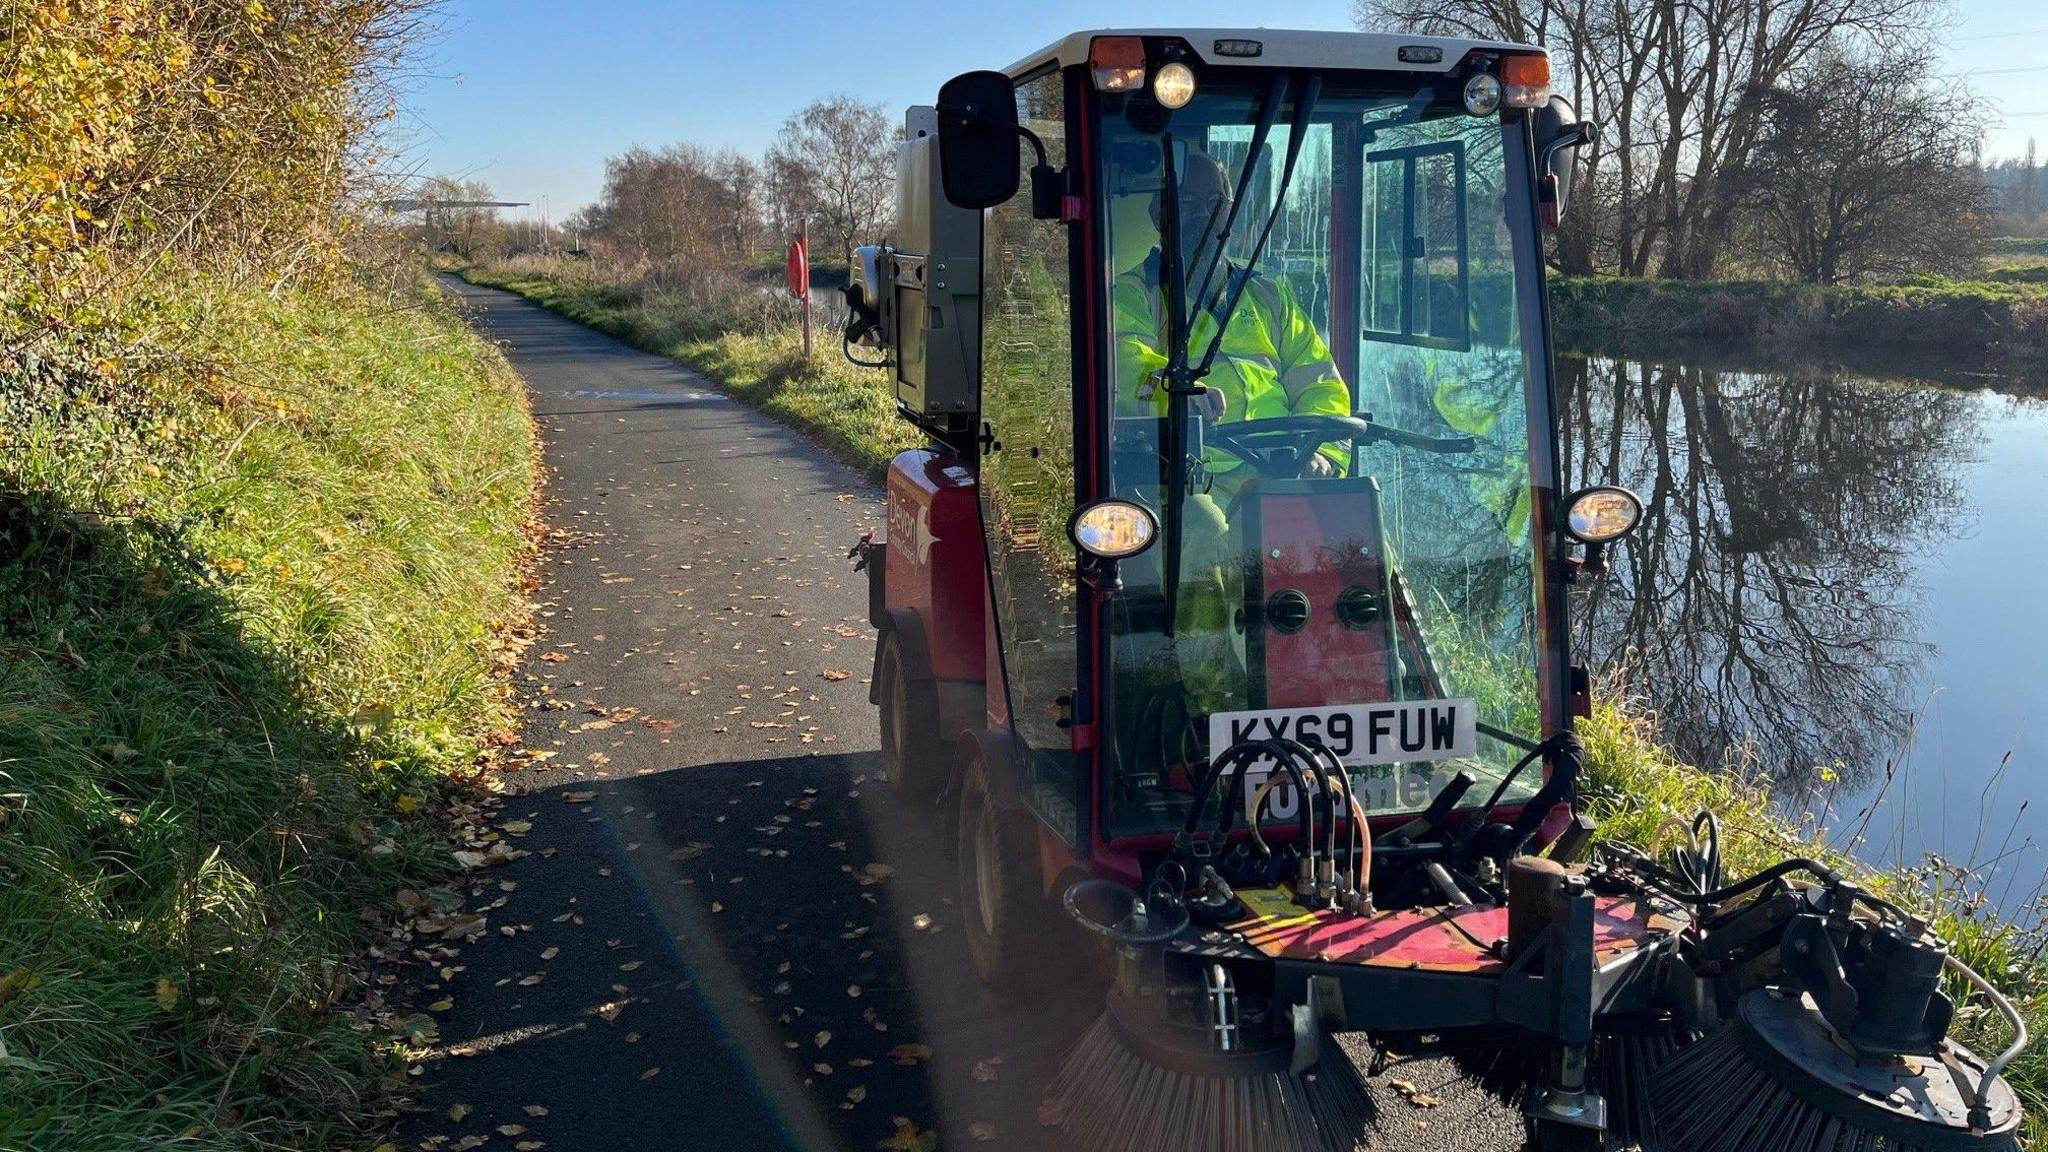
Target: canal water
(1840, 584)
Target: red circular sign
(799, 268)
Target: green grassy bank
(1997, 323)
(1641, 795)
(258, 553)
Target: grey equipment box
(936, 284)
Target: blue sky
(530, 96)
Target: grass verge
(259, 555)
(1641, 795)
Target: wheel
(1008, 930)
(913, 758)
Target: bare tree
(1679, 88)
(679, 211)
(1866, 165)
(834, 163)
(1765, 603)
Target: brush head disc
(1911, 1101)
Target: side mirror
(978, 134)
(1559, 136)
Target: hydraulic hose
(1980, 1114)
(1287, 761)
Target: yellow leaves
(166, 994)
(18, 981)
(457, 1112)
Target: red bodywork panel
(935, 558)
(1323, 545)
(1426, 939)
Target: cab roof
(1283, 48)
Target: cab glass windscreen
(1351, 559)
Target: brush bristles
(1621, 1066)
(1713, 1097)
(1108, 1099)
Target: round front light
(1174, 85)
(1482, 94)
(1602, 515)
(1113, 529)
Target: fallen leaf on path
(535, 1110)
(982, 1130)
(457, 1111)
(836, 674)
(909, 1138)
(909, 1054)
(651, 1073)
(511, 1129)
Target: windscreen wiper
(1184, 382)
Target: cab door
(1027, 472)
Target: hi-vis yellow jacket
(1272, 361)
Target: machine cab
(1259, 414)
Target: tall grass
(256, 554)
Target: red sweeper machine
(1224, 615)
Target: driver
(1272, 362)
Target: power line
(2000, 35)
(2004, 71)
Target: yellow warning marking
(1272, 908)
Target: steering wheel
(1260, 443)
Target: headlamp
(1602, 515)
(1113, 529)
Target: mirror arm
(1577, 136)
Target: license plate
(1361, 734)
(1371, 739)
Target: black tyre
(913, 758)
(1001, 899)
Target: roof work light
(1174, 86)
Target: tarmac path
(726, 932)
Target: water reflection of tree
(1767, 597)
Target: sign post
(799, 269)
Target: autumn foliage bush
(261, 531)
